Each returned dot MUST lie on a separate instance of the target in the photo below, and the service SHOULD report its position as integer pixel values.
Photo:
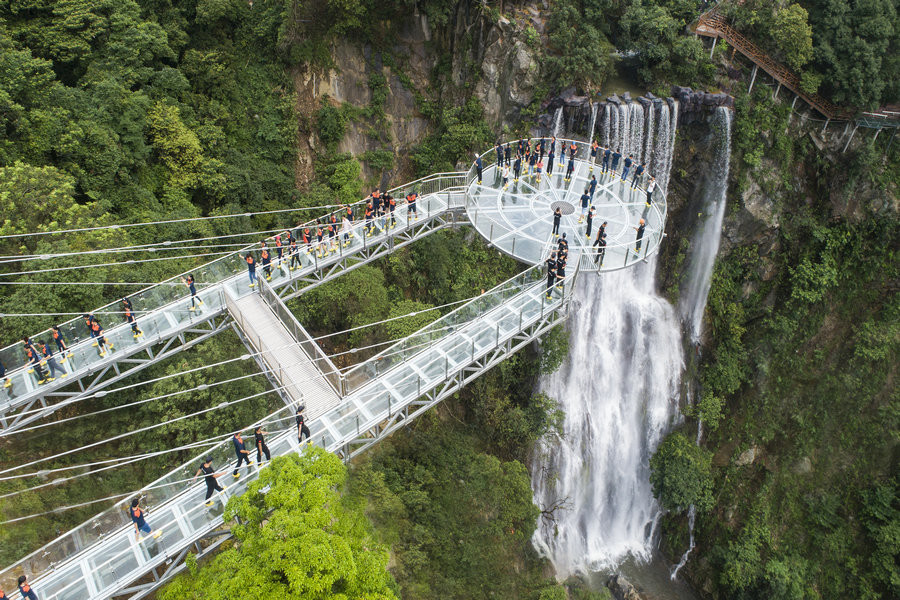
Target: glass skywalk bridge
(102, 559)
(170, 326)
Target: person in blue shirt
(140, 523)
(585, 198)
(590, 223)
(628, 162)
(638, 172)
(6, 381)
(570, 168)
(615, 161)
(251, 269)
(47, 356)
(593, 186)
(25, 589)
(605, 166)
(499, 154)
(551, 274)
(243, 455)
(541, 145)
(507, 153)
(517, 168)
(550, 158)
(478, 168)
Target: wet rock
(622, 589)
(614, 99)
(626, 96)
(747, 457)
(802, 466)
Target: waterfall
(606, 123)
(619, 390)
(624, 124)
(614, 126)
(663, 132)
(635, 143)
(557, 122)
(590, 133)
(705, 243)
(663, 176)
(692, 517)
(648, 146)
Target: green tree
(579, 52)
(296, 538)
(680, 474)
(793, 35)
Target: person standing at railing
(345, 231)
(6, 380)
(332, 237)
(590, 221)
(33, 358)
(585, 199)
(562, 154)
(294, 253)
(209, 476)
(551, 273)
(628, 162)
(573, 149)
(651, 185)
(600, 233)
(517, 168)
(302, 429)
(140, 523)
(370, 223)
(267, 259)
(47, 356)
(321, 248)
(601, 248)
(478, 168)
(260, 443)
(557, 216)
(507, 154)
(604, 167)
(191, 285)
(251, 269)
(25, 590)
(638, 172)
(570, 168)
(61, 344)
(411, 205)
(615, 163)
(540, 167)
(392, 206)
(279, 252)
(550, 158)
(243, 455)
(541, 148)
(594, 148)
(639, 239)
(129, 318)
(499, 154)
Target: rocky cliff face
(490, 57)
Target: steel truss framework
(47, 400)
(131, 360)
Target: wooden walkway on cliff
(714, 25)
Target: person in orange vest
(98, 335)
(294, 253)
(392, 204)
(35, 363)
(135, 330)
(594, 147)
(47, 357)
(266, 262)
(321, 250)
(60, 343)
(332, 236)
(25, 589)
(140, 523)
(307, 240)
(279, 250)
(370, 224)
(251, 269)
(411, 205)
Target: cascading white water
(661, 145)
(663, 177)
(635, 144)
(648, 144)
(619, 390)
(625, 124)
(705, 244)
(614, 126)
(557, 122)
(606, 124)
(590, 131)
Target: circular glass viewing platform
(518, 219)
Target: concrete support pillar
(825, 126)
(713, 49)
(847, 145)
(752, 78)
(777, 89)
(877, 131)
(794, 102)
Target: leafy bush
(680, 474)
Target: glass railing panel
(116, 562)
(65, 584)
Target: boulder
(622, 589)
(747, 457)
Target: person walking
(25, 590)
(551, 274)
(604, 167)
(640, 236)
(532, 160)
(392, 206)
(594, 148)
(140, 523)
(259, 441)
(99, 336)
(505, 176)
(302, 429)
(189, 282)
(638, 172)
(294, 253)
(267, 260)
(517, 168)
(345, 231)
(600, 232)
(243, 455)
(478, 167)
(47, 357)
(499, 154)
(507, 154)
(592, 187)
(561, 269)
(570, 168)
(550, 159)
(35, 363)
(540, 167)
(279, 253)
(557, 216)
(306, 237)
(651, 185)
(585, 199)
(563, 244)
(209, 476)
(61, 344)
(590, 221)
(601, 248)
(251, 269)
